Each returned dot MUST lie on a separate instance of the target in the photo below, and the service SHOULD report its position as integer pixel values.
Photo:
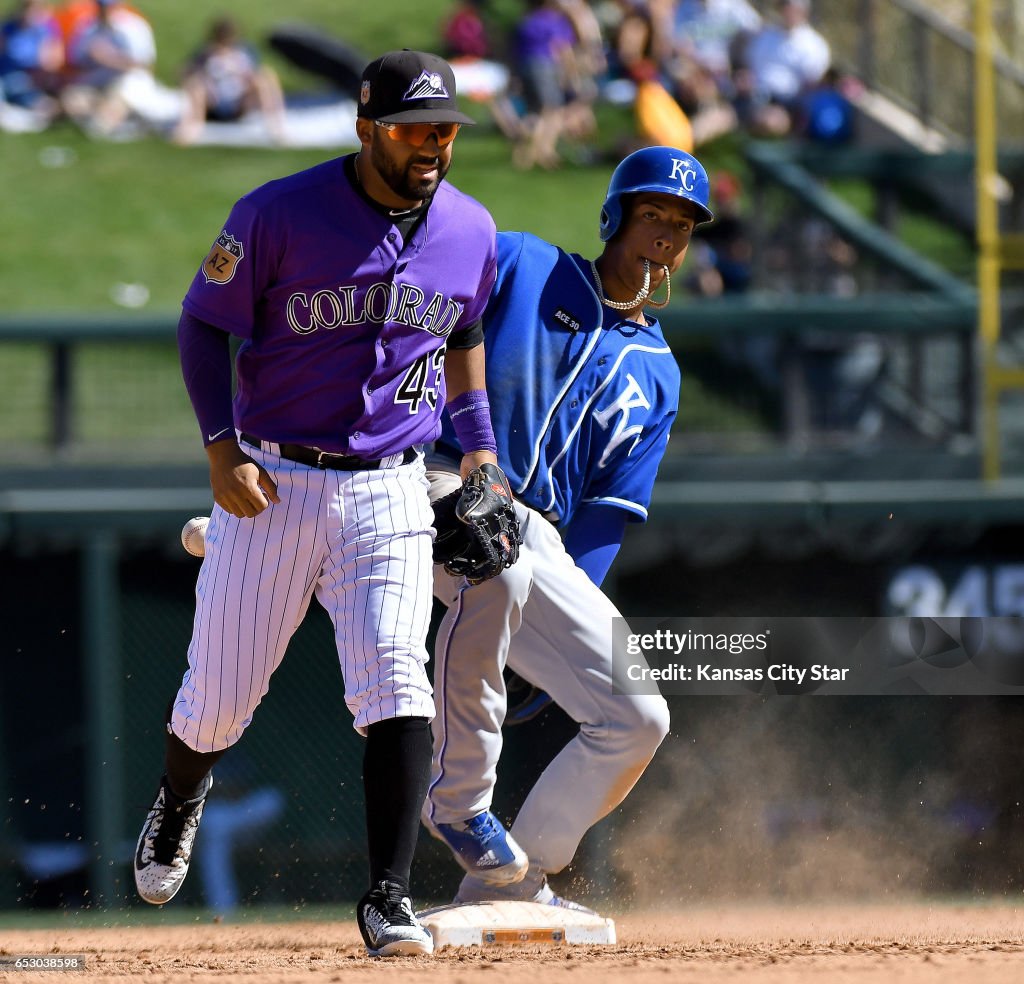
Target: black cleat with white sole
(388, 925)
(164, 850)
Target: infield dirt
(931, 944)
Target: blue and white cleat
(546, 896)
(485, 849)
(534, 888)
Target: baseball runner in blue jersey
(356, 288)
(583, 390)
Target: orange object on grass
(660, 119)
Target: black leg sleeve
(186, 769)
(396, 772)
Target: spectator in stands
(640, 52)
(463, 32)
(673, 95)
(589, 35)
(112, 86)
(828, 115)
(709, 36)
(586, 64)
(543, 41)
(641, 41)
(782, 63)
(31, 55)
(224, 80)
(467, 46)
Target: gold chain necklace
(643, 295)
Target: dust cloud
(792, 799)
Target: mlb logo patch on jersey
(227, 252)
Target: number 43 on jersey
(422, 382)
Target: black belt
(316, 458)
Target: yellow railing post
(986, 178)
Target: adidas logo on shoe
(486, 849)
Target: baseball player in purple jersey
(583, 390)
(356, 288)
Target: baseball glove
(478, 534)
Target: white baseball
(193, 535)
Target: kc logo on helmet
(684, 171)
(227, 252)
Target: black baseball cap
(409, 87)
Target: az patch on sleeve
(220, 265)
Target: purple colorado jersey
(344, 328)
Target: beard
(402, 180)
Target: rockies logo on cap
(428, 85)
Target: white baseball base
(514, 923)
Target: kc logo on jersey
(632, 397)
(219, 267)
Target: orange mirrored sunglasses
(417, 134)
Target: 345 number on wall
(964, 592)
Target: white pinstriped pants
(361, 542)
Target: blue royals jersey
(581, 409)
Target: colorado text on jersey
(383, 302)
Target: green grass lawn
(146, 212)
